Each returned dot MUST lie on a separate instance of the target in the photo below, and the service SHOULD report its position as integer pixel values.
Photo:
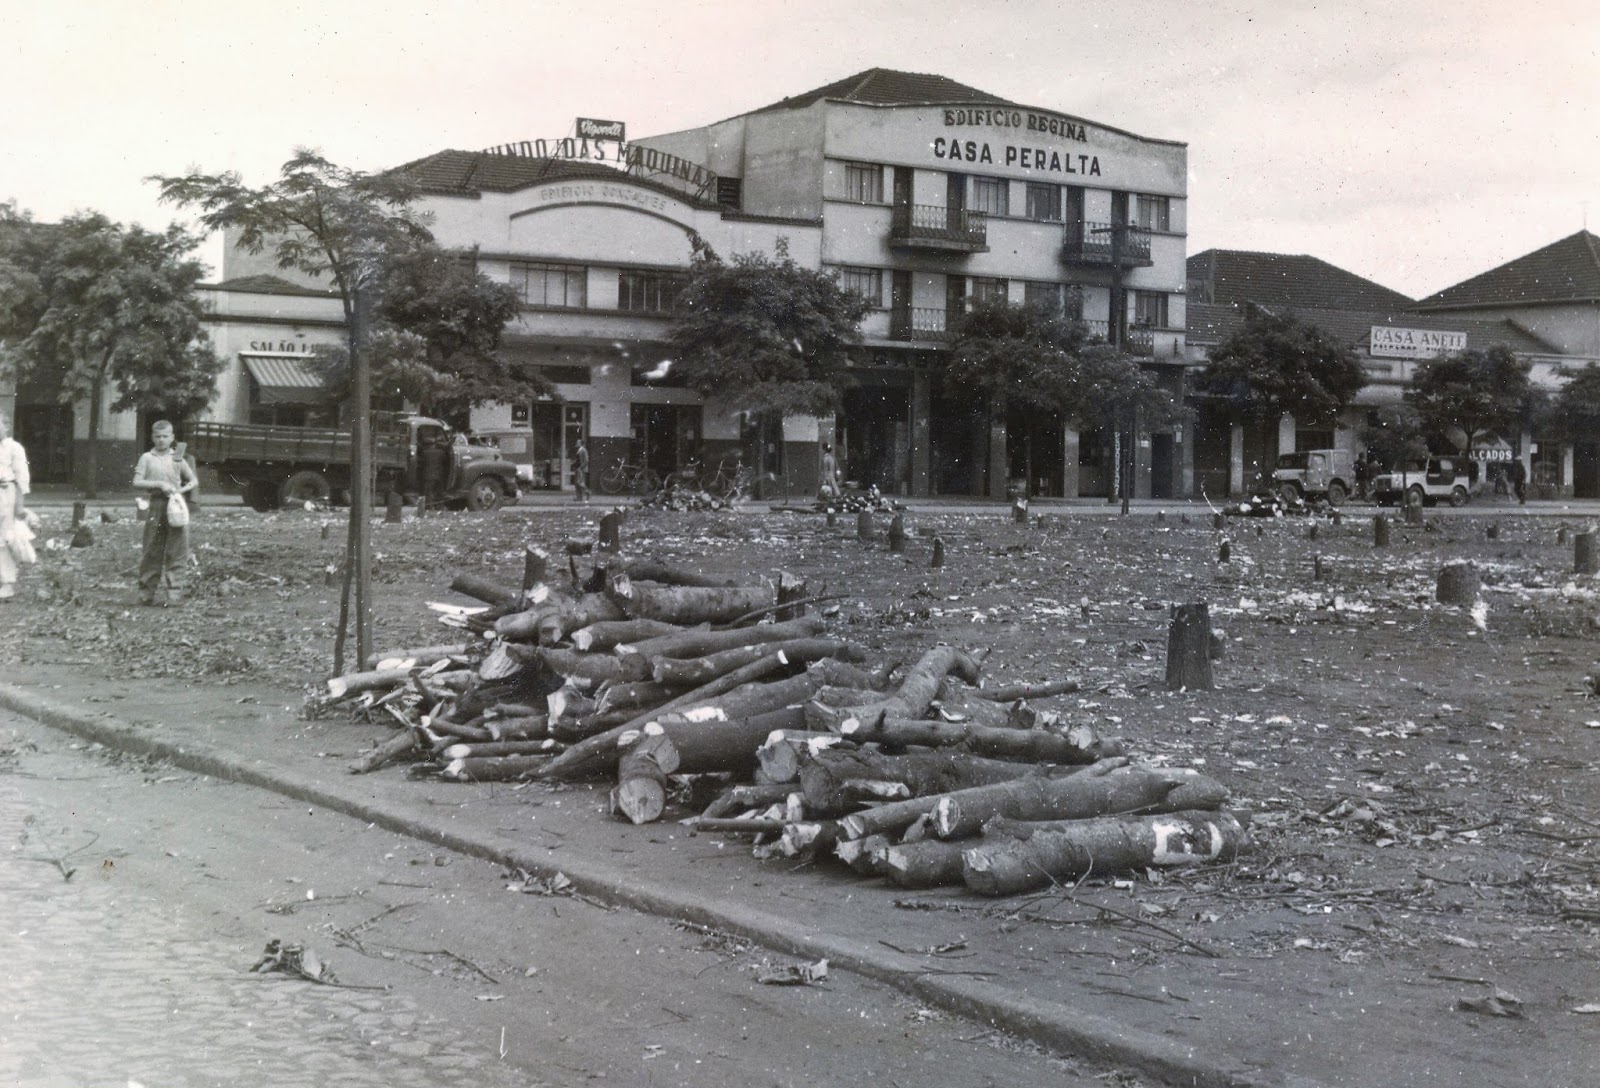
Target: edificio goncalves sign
(1392, 343)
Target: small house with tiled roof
(1552, 292)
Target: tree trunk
(402, 744)
(485, 589)
(1079, 745)
(636, 695)
(494, 748)
(865, 856)
(609, 634)
(830, 777)
(650, 570)
(420, 655)
(1010, 693)
(926, 864)
(916, 693)
(694, 672)
(641, 790)
(745, 798)
(494, 769)
(721, 745)
(1067, 853)
(896, 817)
(790, 588)
(959, 702)
(91, 457)
(688, 604)
(589, 666)
(784, 750)
(699, 643)
(1078, 797)
(1189, 648)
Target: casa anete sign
(1388, 342)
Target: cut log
(607, 634)
(494, 769)
(619, 670)
(553, 620)
(829, 777)
(926, 864)
(737, 825)
(1140, 790)
(354, 683)
(791, 589)
(484, 589)
(688, 604)
(494, 748)
(708, 744)
(642, 785)
(535, 567)
(1110, 844)
(399, 746)
(516, 726)
(780, 755)
(739, 798)
(650, 570)
(1010, 693)
(682, 673)
(699, 643)
(804, 838)
(636, 695)
(1458, 583)
(915, 694)
(865, 856)
(1189, 648)
(1078, 745)
(418, 655)
(959, 702)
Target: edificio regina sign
(641, 162)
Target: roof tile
(1564, 271)
(1229, 276)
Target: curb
(1053, 1025)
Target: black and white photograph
(784, 545)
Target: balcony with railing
(1090, 243)
(934, 226)
(1139, 340)
(919, 323)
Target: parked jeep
(1314, 474)
(1425, 482)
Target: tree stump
(864, 530)
(1161, 516)
(1380, 531)
(1413, 511)
(1338, 519)
(1218, 521)
(393, 515)
(1219, 645)
(326, 527)
(1019, 510)
(791, 587)
(1458, 583)
(1316, 568)
(535, 566)
(611, 532)
(1492, 532)
(1224, 552)
(832, 518)
(897, 534)
(1586, 553)
(1189, 648)
(80, 510)
(938, 553)
(1311, 531)
(1561, 535)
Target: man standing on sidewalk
(580, 472)
(1519, 480)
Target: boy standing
(14, 483)
(161, 475)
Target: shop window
(991, 196)
(648, 292)
(563, 285)
(1152, 212)
(863, 183)
(866, 282)
(1044, 203)
(1150, 309)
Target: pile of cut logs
(682, 686)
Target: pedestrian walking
(1519, 480)
(1363, 472)
(164, 477)
(828, 487)
(434, 459)
(580, 471)
(14, 484)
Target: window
(989, 195)
(565, 285)
(1152, 212)
(866, 282)
(985, 289)
(1044, 203)
(730, 192)
(863, 182)
(647, 292)
(1150, 309)
(1063, 299)
(565, 375)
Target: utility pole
(1125, 412)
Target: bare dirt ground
(1424, 883)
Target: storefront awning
(284, 379)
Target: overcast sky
(1416, 143)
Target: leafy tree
(1395, 436)
(763, 334)
(436, 336)
(1469, 392)
(323, 220)
(89, 304)
(1275, 364)
(1575, 410)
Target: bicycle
(732, 485)
(625, 478)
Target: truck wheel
(484, 494)
(1289, 493)
(1337, 493)
(1458, 496)
(304, 487)
(261, 495)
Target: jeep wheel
(484, 494)
(1289, 493)
(1459, 496)
(1337, 494)
(1416, 496)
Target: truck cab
(1315, 474)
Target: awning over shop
(284, 378)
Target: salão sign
(1393, 343)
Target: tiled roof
(267, 284)
(1209, 323)
(885, 87)
(1228, 276)
(462, 173)
(1564, 271)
